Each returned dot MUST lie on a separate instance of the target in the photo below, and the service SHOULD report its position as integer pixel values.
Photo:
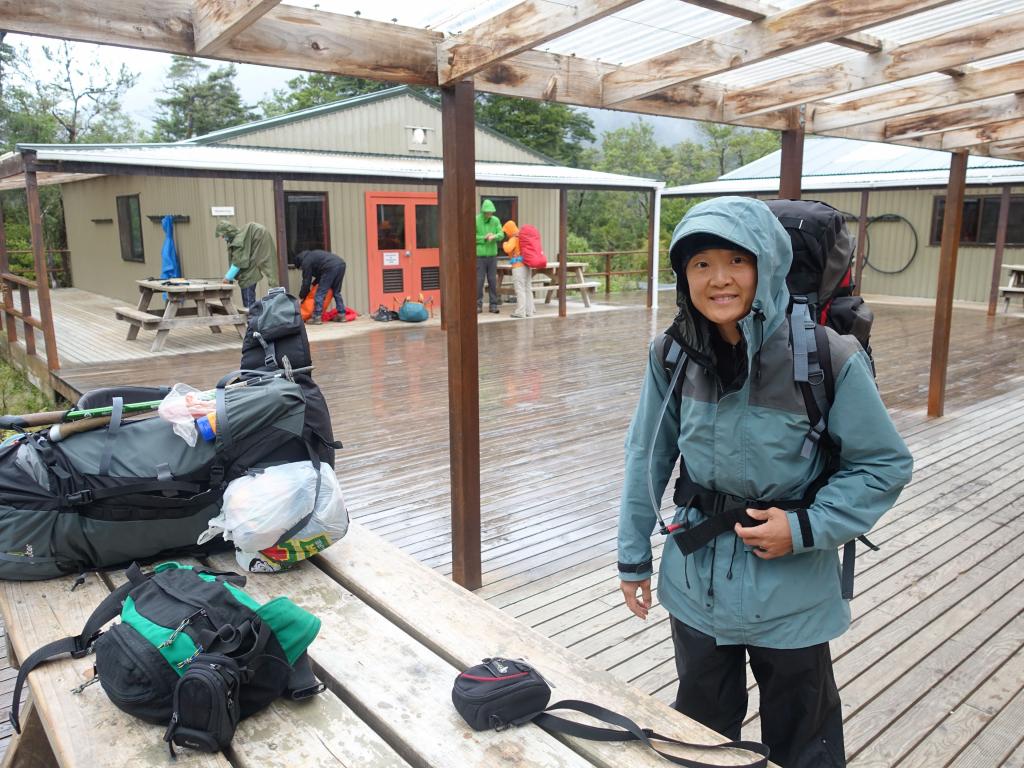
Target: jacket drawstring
(735, 545)
(711, 579)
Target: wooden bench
(1008, 292)
(212, 307)
(393, 638)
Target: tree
(730, 147)
(555, 130)
(198, 101)
(315, 89)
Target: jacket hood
(510, 229)
(226, 229)
(750, 225)
(488, 207)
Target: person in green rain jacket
(769, 588)
(251, 253)
(488, 234)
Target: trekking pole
(94, 418)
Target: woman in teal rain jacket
(771, 590)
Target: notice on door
(391, 259)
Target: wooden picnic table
(576, 280)
(1014, 284)
(394, 636)
(210, 300)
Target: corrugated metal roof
(296, 162)
(834, 164)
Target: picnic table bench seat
(394, 636)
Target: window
(129, 225)
(506, 207)
(305, 222)
(390, 226)
(981, 219)
(427, 235)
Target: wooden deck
(932, 671)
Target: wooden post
(563, 246)
(997, 257)
(280, 233)
(951, 223)
(653, 237)
(440, 261)
(862, 241)
(607, 274)
(35, 218)
(458, 270)
(5, 266)
(792, 163)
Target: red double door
(403, 255)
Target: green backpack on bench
(192, 651)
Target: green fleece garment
(485, 248)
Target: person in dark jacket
(327, 270)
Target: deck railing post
(607, 273)
(458, 270)
(563, 246)
(862, 241)
(997, 257)
(5, 319)
(35, 218)
(951, 223)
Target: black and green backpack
(192, 651)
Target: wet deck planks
(931, 669)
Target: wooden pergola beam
(819, 21)
(994, 132)
(1011, 150)
(522, 27)
(978, 85)
(991, 37)
(969, 115)
(217, 22)
(754, 10)
(287, 36)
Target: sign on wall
(222, 210)
(391, 259)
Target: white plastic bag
(328, 524)
(182, 406)
(260, 507)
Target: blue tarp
(169, 255)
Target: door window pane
(305, 216)
(427, 227)
(390, 226)
(990, 221)
(506, 207)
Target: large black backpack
(276, 340)
(134, 490)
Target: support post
(951, 223)
(997, 258)
(280, 234)
(563, 246)
(5, 266)
(35, 218)
(440, 262)
(862, 241)
(792, 162)
(653, 243)
(458, 270)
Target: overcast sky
(255, 82)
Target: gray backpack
(134, 490)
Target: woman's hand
(771, 538)
(641, 606)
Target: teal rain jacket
(747, 442)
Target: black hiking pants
(330, 280)
(801, 717)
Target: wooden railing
(29, 323)
(608, 273)
(58, 266)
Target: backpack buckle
(83, 647)
(80, 497)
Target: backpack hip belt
(723, 511)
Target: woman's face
(722, 286)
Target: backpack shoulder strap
(812, 371)
(79, 645)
